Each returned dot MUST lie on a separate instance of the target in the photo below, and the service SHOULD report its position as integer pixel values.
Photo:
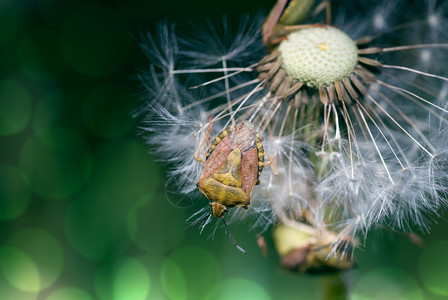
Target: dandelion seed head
(318, 56)
(354, 117)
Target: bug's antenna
(231, 238)
(198, 220)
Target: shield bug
(233, 164)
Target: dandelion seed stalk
(352, 109)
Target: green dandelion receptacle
(318, 56)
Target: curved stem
(334, 287)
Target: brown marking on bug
(225, 186)
(249, 171)
(218, 139)
(216, 158)
(233, 164)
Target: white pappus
(354, 114)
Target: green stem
(334, 287)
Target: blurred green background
(83, 211)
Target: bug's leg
(269, 162)
(207, 135)
(232, 239)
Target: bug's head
(218, 209)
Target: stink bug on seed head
(233, 164)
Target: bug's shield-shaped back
(225, 185)
(249, 171)
(232, 166)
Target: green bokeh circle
(44, 250)
(38, 55)
(155, 225)
(47, 111)
(201, 270)
(57, 161)
(173, 281)
(387, 283)
(96, 40)
(123, 175)
(10, 292)
(125, 279)
(14, 192)
(9, 19)
(16, 107)
(433, 268)
(19, 269)
(106, 110)
(69, 293)
(238, 288)
(55, 12)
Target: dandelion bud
(302, 248)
